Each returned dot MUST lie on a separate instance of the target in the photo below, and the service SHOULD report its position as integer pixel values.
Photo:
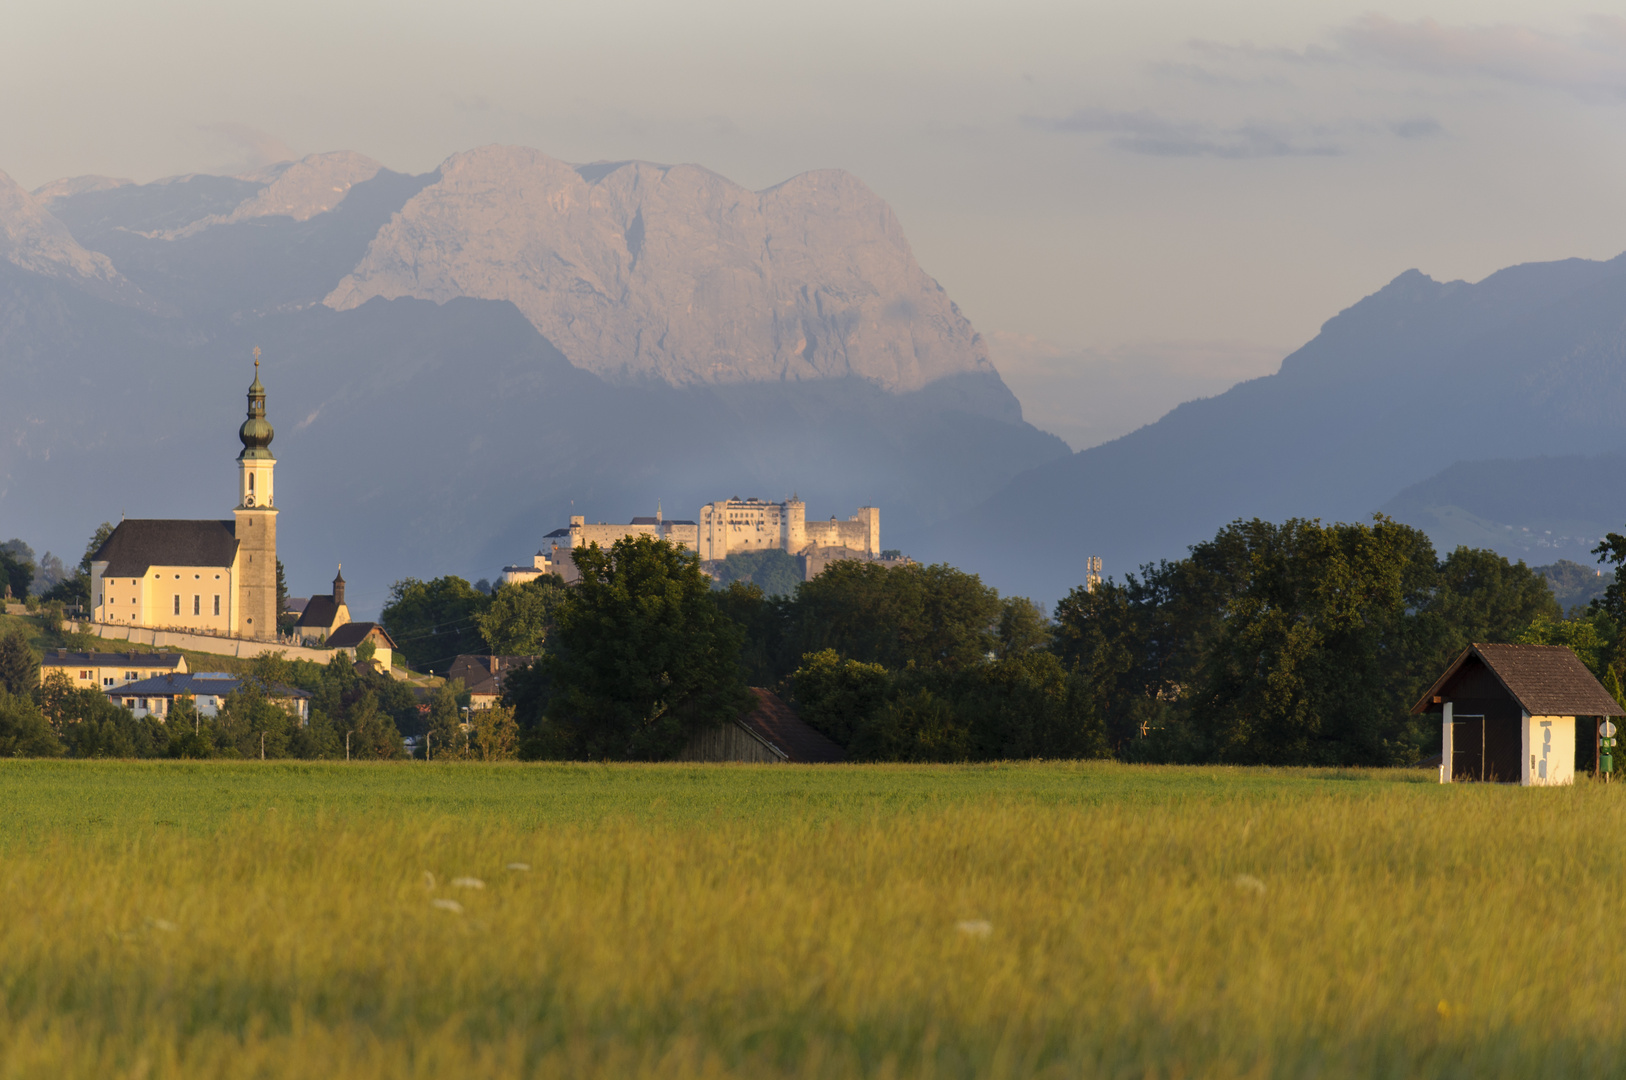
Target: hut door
(1467, 747)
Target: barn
(770, 732)
(1508, 714)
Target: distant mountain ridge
(743, 343)
(1414, 378)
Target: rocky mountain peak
(638, 271)
(32, 239)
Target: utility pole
(262, 746)
(428, 744)
(347, 735)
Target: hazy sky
(1113, 179)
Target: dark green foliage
(837, 696)
(1290, 644)
(1023, 706)
(16, 569)
(1574, 585)
(434, 622)
(924, 615)
(445, 731)
(24, 731)
(775, 572)
(373, 735)
(520, 617)
(251, 726)
(19, 669)
(642, 658)
(1022, 628)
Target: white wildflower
(467, 883)
(429, 881)
(977, 928)
(1249, 883)
(519, 866)
(447, 905)
(163, 924)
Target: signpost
(1606, 745)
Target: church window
(177, 603)
(217, 603)
(251, 483)
(197, 604)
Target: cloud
(1417, 127)
(1147, 133)
(1590, 63)
(251, 148)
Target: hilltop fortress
(728, 527)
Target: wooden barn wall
(728, 743)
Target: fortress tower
(256, 516)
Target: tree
(519, 618)
(374, 735)
(251, 724)
(19, 668)
(75, 590)
(24, 731)
(925, 615)
(838, 697)
(775, 572)
(1023, 628)
(495, 736)
(16, 568)
(285, 618)
(446, 738)
(434, 622)
(643, 658)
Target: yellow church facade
(217, 577)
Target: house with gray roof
(208, 690)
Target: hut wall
(730, 742)
(1549, 750)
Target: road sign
(1606, 729)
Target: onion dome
(256, 433)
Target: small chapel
(217, 577)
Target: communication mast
(1092, 576)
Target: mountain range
(457, 361)
(1485, 413)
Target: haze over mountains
(456, 361)
(459, 360)
(1373, 413)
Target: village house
(102, 671)
(1510, 714)
(156, 696)
(352, 635)
(483, 677)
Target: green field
(301, 920)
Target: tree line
(1291, 643)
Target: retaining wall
(242, 648)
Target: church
(216, 577)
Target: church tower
(256, 515)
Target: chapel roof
(1546, 680)
(320, 612)
(65, 658)
(139, 543)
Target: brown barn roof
(140, 543)
(1546, 680)
(778, 725)
(352, 634)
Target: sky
(1136, 203)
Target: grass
(248, 920)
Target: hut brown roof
(778, 725)
(1546, 680)
(352, 634)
